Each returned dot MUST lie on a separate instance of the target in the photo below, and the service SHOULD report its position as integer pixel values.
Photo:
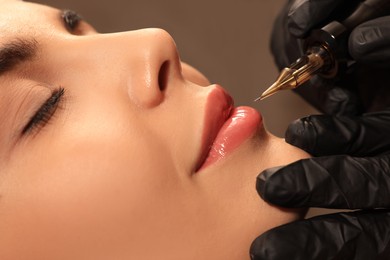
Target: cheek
(114, 168)
(193, 75)
(92, 186)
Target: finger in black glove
(338, 181)
(361, 235)
(357, 177)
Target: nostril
(163, 76)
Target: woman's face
(111, 148)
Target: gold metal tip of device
(286, 80)
(269, 92)
(300, 72)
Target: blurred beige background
(227, 40)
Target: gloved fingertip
(302, 133)
(282, 185)
(298, 22)
(258, 249)
(262, 180)
(295, 29)
(267, 246)
(279, 243)
(358, 42)
(368, 38)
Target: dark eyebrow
(16, 52)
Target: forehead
(24, 19)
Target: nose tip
(160, 65)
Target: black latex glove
(365, 87)
(355, 176)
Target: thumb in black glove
(357, 177)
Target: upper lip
(219, 107)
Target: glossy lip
(225, 127)
(219, 107)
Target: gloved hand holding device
(365, 86)
(353, 167)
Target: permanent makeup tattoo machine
(326, 49)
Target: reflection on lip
(225, 127)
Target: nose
(157, 66)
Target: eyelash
(45, 112)
(71, 19)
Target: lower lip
(240, 126)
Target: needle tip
(259, 98)
(269, 92)
(283, 82)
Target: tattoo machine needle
(327, 49)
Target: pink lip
(226, 127)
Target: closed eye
(45, 112)
(71, 20)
